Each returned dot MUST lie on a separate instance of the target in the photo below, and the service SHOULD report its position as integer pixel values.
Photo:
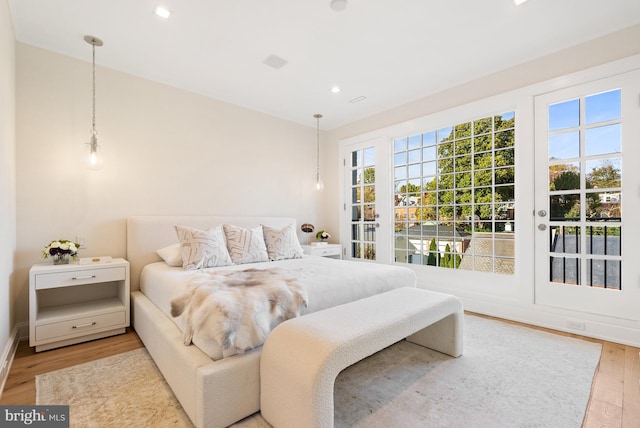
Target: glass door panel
(363, 203)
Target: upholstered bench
(302, 357)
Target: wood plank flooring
(614, 402)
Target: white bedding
(328, 283)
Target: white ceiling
(390, 51)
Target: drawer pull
(75, 278)
(84, 325)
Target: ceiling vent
(274, 61)
(357, 99)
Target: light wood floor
(615, 392)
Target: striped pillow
(282, 243)
(202, 248)
(245, 245)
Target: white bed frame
(212, 393)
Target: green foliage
(605, 176)
(464, 162)
(450, 259)
(445, 260)
(432, 258)
(568, 205)
(568, 180)
(369, 175)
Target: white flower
(61, 246)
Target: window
(454, 196)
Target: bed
(216, 391)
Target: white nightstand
(329, 250)
(74, 303)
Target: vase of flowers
(322, 236)
(62, 251)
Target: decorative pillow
(282, 243)
(171, 255)
(202, 248)
(245, 245)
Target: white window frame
(489, 292)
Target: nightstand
(74, 303)
(329, 250)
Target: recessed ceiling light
(162, 12)
(335, 89)
(519, 2)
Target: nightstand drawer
(330, 251)
(327, 250)
(81, 326)
(79, 277)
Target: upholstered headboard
(147, 234)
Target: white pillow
(245, 245)
(202, 248)
(171, 255)
(282, 243)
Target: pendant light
(93, 159)
(319, 183)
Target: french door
(365, 207)
(587, 172)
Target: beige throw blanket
(238, 309)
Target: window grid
(363, 211)
(585, 191)
(454, 196)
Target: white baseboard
(610, 329)
(20, 332)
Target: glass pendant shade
(319, 183)
(93, 159)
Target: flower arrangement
(322, 236)
(61, 250)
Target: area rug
(125, 390)
(509, 376)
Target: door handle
(542, 226)
(542, 213)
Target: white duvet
(328, 283)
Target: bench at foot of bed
(302, 357)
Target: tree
(432, 258)
(445, 260)
(464, 162)
(567, 206)
(369, 175)
(607, 175)
(567, 180)
(558, 169)
(450, 259)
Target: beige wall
(7, 177)
(166, 151)
(606, 49)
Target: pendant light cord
(317, 147)
(317, 116)
(93, 122)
